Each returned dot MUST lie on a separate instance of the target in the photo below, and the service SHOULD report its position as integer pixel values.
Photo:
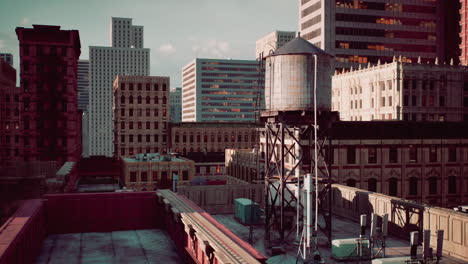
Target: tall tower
(50, 123)
(126, 56)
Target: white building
(126, 56)
(402, 91)
(83, 84)
(272, 41)
(220, 90)
(366, 31)
(176, 105)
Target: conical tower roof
(299, 46)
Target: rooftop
(154, 157)
(299, 46)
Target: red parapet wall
(22, 235)
(100, 212)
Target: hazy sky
(176, 31)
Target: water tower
(297, 116)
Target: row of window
(433, 185)
(351, 153)
(219, 138)
(140, 112)
(139, 86)
(139, 125)
(140, 138)
(140, 100)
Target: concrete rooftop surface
(134, 246)
(341, 229)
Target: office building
(272, 41)
(50, 124)
(176, 105)
(83, 84)
(9, 115)
(219, 90)
(369, 31)
(125, 56)
(402, 91)
(7, 57)
(141, 115)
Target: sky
(176, 31)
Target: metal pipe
(297, 151)
(315, 148)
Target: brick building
(420, 161)
(50, 123)
(141, 115)
(211, 137)
(464, 32)
(146, 172)
(9, 115)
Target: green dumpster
(246, 212)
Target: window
(133, 176)
(184, 138)
(130, 138)
(185, 175)
(413, 154)
(413, 101)
(155, 176)
(351, 155)
(393, 186)
(393, 155)
(122, 138)
(452, 184)
(413, 186)
(122, 112)
(139, 87)
(156, 138)
(442, 101)
(139, 112)
(452, 153)
(140, 125)
(176, 138)
(405, 100)
(130, 125)
(164, 100)
(144, 176)
(164, 87)
(372, 184)
(351, 182)
(372, 155)
(148, 87)
(156, 87)
(432, 154)
(148, 112)
(122, 99)
(382, 104)
(148, 125)
(122, 125)
(389, 101)
(122, 151)
(432, 185)
(130, 99)
(139, 138)
(148, 100)
(130, 112)
(139, 99)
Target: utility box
(347, 249)
(246, 211)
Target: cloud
(210, 47)
(167, 49)
(24, 21)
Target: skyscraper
(83, 84)
(369, 31)
(126, 56)
(219, 90)
(9, 115)
(50, 124)
(176, 105)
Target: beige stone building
(272, 41)
(149, 171)
(424, 162)
(191, 137)
(242, 164)
(402, 91)
(141, 115)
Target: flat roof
(154, 157)
(132, 246)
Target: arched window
(139, 99)
(148, 100)
(432, 185)
(351, 182)
(130, 100)
(122, 99)
(191, 149)
(393, 186)
(452, 184)
(372, 184)
(413, 186)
